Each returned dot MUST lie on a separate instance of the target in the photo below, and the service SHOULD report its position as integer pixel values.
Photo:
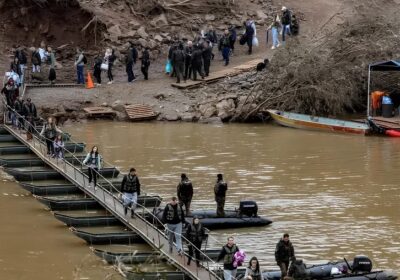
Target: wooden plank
(218, 75)
(99, 111)
(139, 112)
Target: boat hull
(232, 219)
(89, 203)
(138, 257)
(128, 237)
(21, 149)
(87, 221)
(51, 190)
(301, 121)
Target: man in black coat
(197, 62)
(220, 189)
(185, 192)
(131, 58)
(145, 63)
(130, 188)
(178, 62)
(284, 253)
(207, 56)
(188, 59)
(286, 19)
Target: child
(59, 147)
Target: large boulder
(225, 108)
(118, 106)
(261, 15)
(135, 24)
(160, 20)
(207, 110)
(114, 30)
(209, 17)
(142, 33)
(158, 38)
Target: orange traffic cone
(89, 82)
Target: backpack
(84, 60)
(300, 270)
(220, 189)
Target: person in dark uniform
(145, 63)
(197, 62)
(130, 188)
(220, 189)
(188, 59)
(97, 69)
(30, 114)
(226, 254)
(195, 233)
(18, 107)
(207, 56)
(185, 192)
(284, 253)
(297, 270)
(178, 62)
(174, 217)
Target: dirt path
(316, 13)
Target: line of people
(286, 24)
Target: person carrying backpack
(284, 253)
(185, 192)
(220, 189)
(80, 62)
(297, 270)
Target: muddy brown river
(337, 195)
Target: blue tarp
(391, 65)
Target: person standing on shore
(20, 54)
(178, 62)
(224, 47)
(207, 56)
(131, 58)
(80, 63)
(51, 60)
(130, 188)
(93, 161)
(284, 253)
(174, 217)
(197, 62)
(220, 189)
(97, 69)
(36, 61)
(226, 254)
(286, 19)
(110, 58)
(185, 192)
(145, 63)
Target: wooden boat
(139, 257)
(7, 148)
(295, 120)
(117, 237)
(45, 173)
(81, 203)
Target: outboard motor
(248, 208)
(362, 264)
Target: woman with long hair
(195, 233)
(49, 132)
(93, 162)
(253, 271)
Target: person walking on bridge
(195, 233)
(30, 114)
(49, 132)
(93, 161)
(173, 216)
(185, 192)
(130, 188)
(220, 189)
(227, 254)
(284, 253)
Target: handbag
(243, 39)
(168, 67)
(255, 41)
(104, 66)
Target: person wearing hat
(185, 192)
(220, 189)
(286, 19)
(195, 234)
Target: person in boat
(220, 189)
(297, 270)
(253, 271)
(226, 254)
(195, 233)
(185, 193)
(93, 161)
(130, 188)
(30, 114)
(59, 147)
(174, 218)
(49, 132)
(284, 252)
